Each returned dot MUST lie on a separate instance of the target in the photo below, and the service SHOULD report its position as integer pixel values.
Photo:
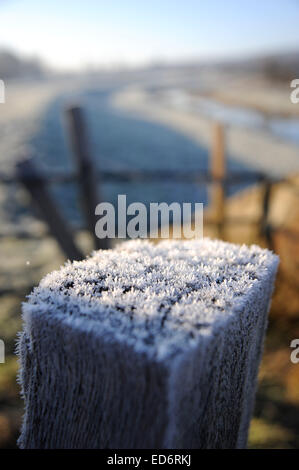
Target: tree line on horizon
(14, 66)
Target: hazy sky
(73, 33)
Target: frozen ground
(251, 145)
(136, 120)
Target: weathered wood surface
(218, 174)
(35, 184)
(114, 359)
(88, 176)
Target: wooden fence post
(266, 229)
(86, 171)
(218, 173)
(130, 380)
(35, 184)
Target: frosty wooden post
(266, 203)
(146, 346)
(218, 173)
(35, 184)
(86, 170)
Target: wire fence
(89, 179)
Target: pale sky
(70, 33)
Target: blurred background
(181, 101)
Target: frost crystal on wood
(146, 346)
